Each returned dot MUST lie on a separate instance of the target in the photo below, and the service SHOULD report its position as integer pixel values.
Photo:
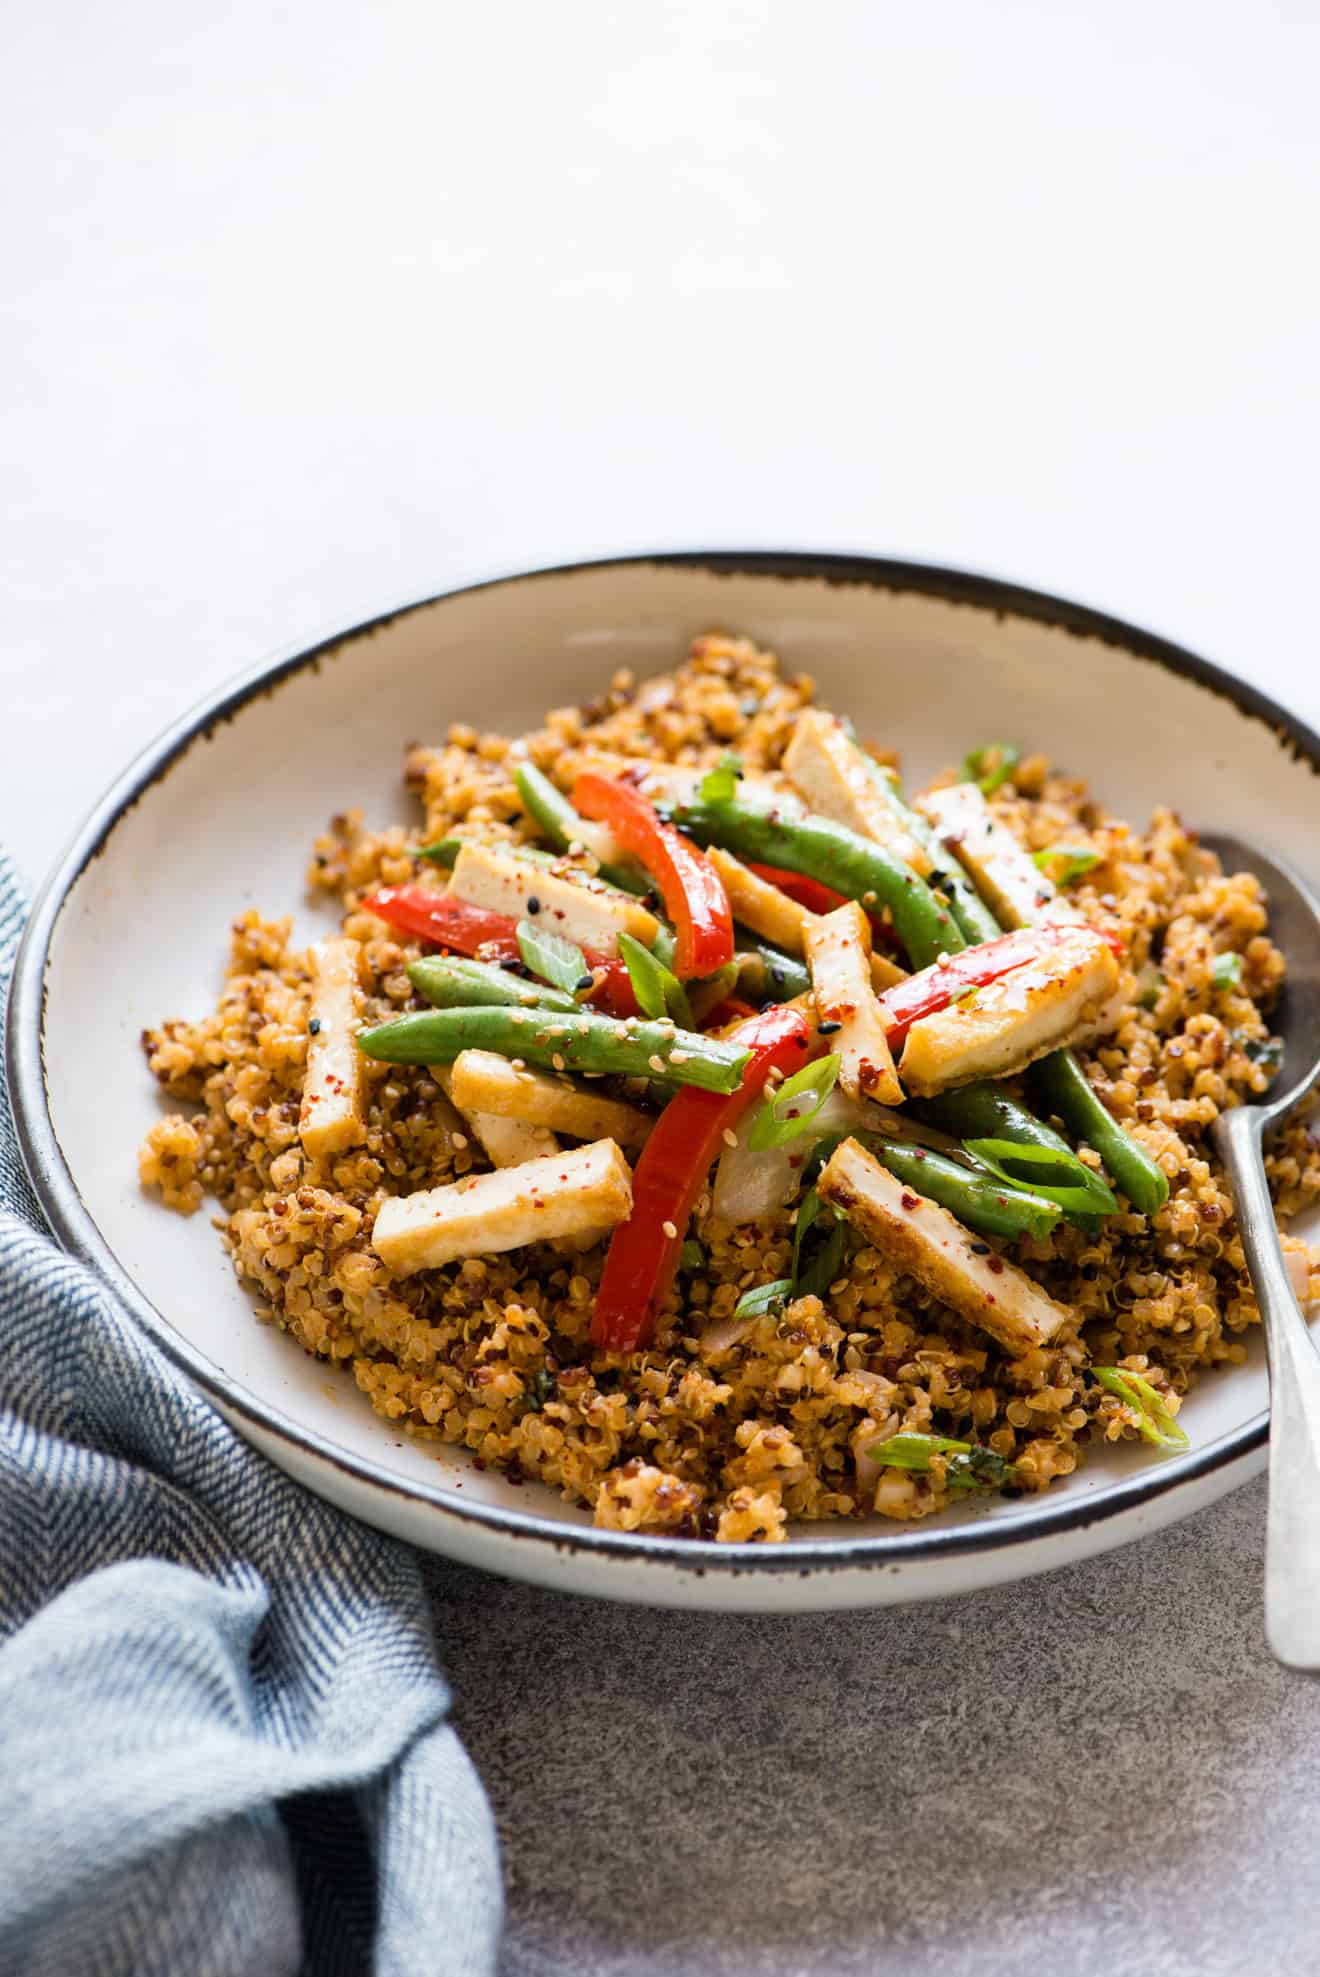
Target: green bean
(984, 1111)
(985, 1205)
(853, 865)
(581, 1042)
(450, 982)
(1060, 1078)
(551, 809)
(1066, 1089)
(767, 974)
(974, 920)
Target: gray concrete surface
(1098, 1770)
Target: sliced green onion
(776, 1124)
(968, 1467)
(708, 993)
(815, 1278)
(914, 1451)
(763, 1298)
(550, 956)
(1154, 1421)
(720, 784)
(826, 1264)
(1152, 981)
(1226, 972)
(1088, 1196)
(692, 1256)
(1065, 862)
(443, 851)
(657, 988)
(991, 766)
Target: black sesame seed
(314, 1027)
(585, 982)
(533, 904)
(827, 1028)
(980, 1249)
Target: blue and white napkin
(223, 1735)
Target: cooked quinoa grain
(728, 1428)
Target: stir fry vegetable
(423, 913)
(1026, 1153)
(583, 1042)
(448, 981)
(643, 1256)
(1066, 1090)
(825, 880)
(565, 827)
(1154, 1420)
(695, 901)
(757, 830)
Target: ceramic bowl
(219, 813)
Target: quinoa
(721, 1428)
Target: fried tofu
(928, 1243)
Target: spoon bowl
(1295, 928)
(1292, 1551)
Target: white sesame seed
(460, 1140)
(656, 1062)
(519, 1063)
(669, 1230)
(557, 1061)
(730, 1137)
(679, 1056)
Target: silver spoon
(1292, 1546)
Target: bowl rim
(74, 1227)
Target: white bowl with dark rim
(218, 815)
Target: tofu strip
(483, 1083)
(1067, 995)
(828, 769)
(661, 782)
(764, 910)
(566, 1194)
(1006, 876)
(929, 1244)
(507, 1142)
(581, 909)
(839, 955)
(331, 1119)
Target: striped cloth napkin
(223, 1736)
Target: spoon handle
(1292, 1546)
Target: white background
(312, 308)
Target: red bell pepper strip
(426, 914)
(934, 988)
(439, 917)
(818, 898)
(643, 1255)
(732, 1010)
(694, 896)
